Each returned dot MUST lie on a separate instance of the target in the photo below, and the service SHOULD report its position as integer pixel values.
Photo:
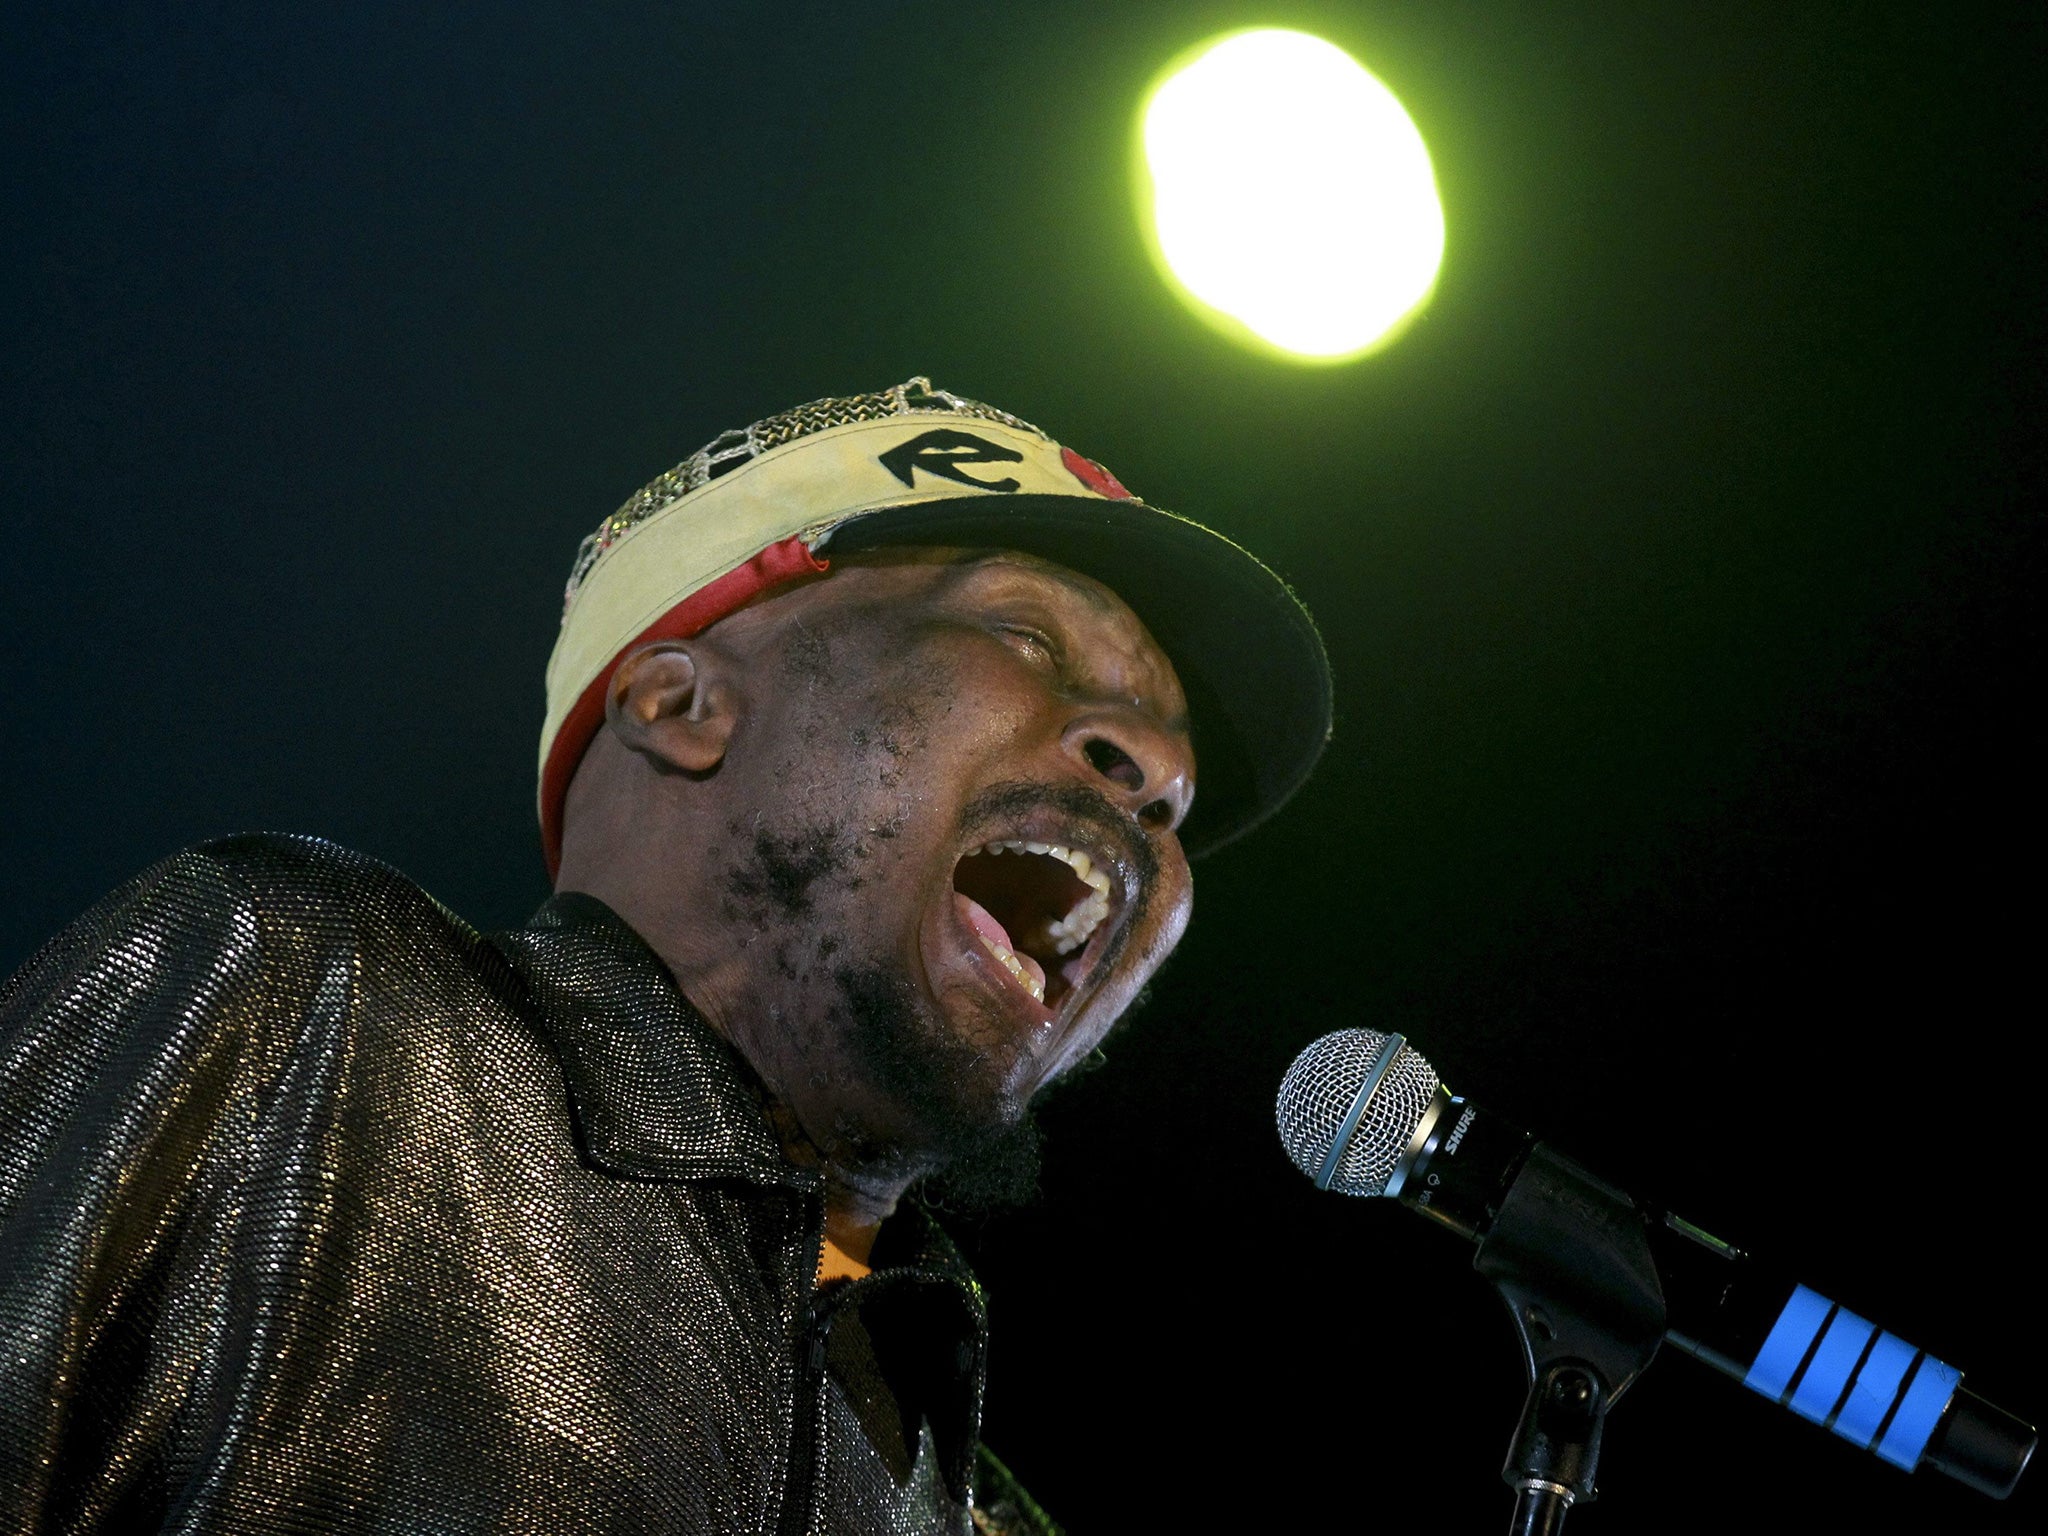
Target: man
(868, 781)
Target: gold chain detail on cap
(729, 450)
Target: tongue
(983, 922)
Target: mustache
(1078, 803)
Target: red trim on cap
(1094, 476)
(775, 565)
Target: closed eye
(1032, 643)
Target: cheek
(926, 769)
(1173, 920)
(934, 709)
(1158, 931)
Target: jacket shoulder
(264, 863)
(233, 906)
(298, 879)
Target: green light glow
(1289, 196)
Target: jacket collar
(927, 1318)
(654, 1091)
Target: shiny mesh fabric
(320, 1211)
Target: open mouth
(1034, 906)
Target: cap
(768, 504)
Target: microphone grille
(1317, 1097)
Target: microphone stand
(1570, 1255)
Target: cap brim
(1247, 652)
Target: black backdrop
(1677, 568)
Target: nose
(1143, 766)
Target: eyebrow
(1095, 594)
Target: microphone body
(1478, 1174)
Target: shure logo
(1458, 1134)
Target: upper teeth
(1068, 933)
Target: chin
(946, 1074)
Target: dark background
(1678, 568)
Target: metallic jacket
(320, 1211)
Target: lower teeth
(1015, 967)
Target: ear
(668, 702)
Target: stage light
(1287, 194)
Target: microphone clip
(1570, 1255)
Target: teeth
(1068, 933)
(1015, 967)
(1072, 931)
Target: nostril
(1158, 814)
(1114, 764)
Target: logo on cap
(942, 451)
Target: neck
(859, 1196)
(715, 974)
(853, 1219)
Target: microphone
(1364, 1114)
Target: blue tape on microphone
(1872, 1388)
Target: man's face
(955, 859)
